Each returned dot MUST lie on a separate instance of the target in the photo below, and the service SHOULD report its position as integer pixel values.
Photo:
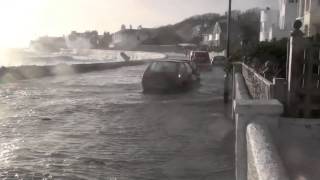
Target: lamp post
(226, 80)
(229, 29)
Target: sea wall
(257, 157)
(71, 62)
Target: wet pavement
(298, 144)
(100, 125)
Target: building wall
(288, 13)
(128, 38)
(309, 14)
(315, 17)
(217, 35)
(268, 22)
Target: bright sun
(18, 20)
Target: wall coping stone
(266, 81)
(241, 87)
(265, 156)
(259, 107)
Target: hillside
(191, 29)
(188, 30)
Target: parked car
(201, 59)
(169, 75)
(219, 60)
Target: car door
(191, 76)
(182, 72)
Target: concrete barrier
(67, 64)
(264, 162)
(249, 111)
(12, 74)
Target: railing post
(295, 64)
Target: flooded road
(100, 125)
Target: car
(169, 75)
(219, 60)
(201, 59)
(192, 64)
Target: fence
(303, 77)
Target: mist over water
(27, 57)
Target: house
(309, 14)
(288, 14)
(277, 24)
(220, 31)
(85, 40)
(129, 38)
(216, 37)
(269, 24)
(207, 39)
(219, 37)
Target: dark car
(169, 75)
(219, 60)
(201, 59)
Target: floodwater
(25, 57)
(100, 125)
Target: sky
(24, 20)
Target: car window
(202, 55)
(219, 58)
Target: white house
(277, 24)
(218, 34)
(288, 14)
(213, 37)
(216, 37)
(269, 20)
(309, 14)
(129, 38)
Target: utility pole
(229, 29)
(227, 75)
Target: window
(202, 54)
(217, 38)
(307, 5)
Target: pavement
(299, 147)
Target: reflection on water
(100, 126)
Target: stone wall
(259, 87)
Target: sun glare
(18, 19)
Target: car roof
(173, 60)
(200, 52)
